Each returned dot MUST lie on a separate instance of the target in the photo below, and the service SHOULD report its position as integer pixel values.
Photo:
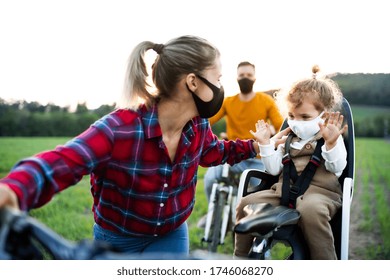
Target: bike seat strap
(263, 218)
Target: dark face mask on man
(246, 85)
(210, 108)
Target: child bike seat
(263, 218)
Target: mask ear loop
(210, 85)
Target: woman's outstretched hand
(281, 136)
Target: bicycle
(221, 213)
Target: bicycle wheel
(215, 231)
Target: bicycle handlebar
(22, 237)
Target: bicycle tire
(215, 231)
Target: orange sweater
(242, 116)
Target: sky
(75, 51)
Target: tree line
(22, 118)
(365, 89)
(372, 90)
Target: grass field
(69, 213)
(361, 112)
(371, 205)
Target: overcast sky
(71, 51)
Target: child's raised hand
(332, 128)
(263, 132)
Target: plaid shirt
(136, 188)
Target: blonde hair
(178, 57)
(323, 92)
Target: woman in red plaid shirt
(143, 157)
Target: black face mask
(210, 108)
(246, 85)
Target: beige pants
(317, 207)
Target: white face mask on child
(306, 129)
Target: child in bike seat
(311, 105)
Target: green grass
(373, 171)
(13, 149)
(69, 213)
(361, 112)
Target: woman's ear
(191, 82)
